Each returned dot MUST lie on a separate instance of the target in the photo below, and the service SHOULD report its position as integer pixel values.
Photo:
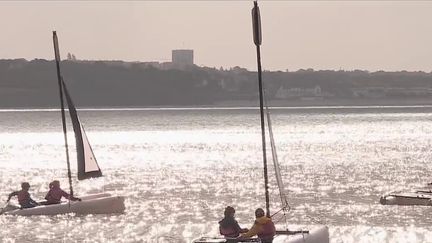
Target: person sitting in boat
(228, 226)
(263, 227)
(55, 194)
(24, 199)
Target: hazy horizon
(333, 35)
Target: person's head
(229, 211)
(25, 186)
(54, 183)
(259, 213)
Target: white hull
(318, 234)
(91, 204)
(407, 199)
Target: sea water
(179, 169)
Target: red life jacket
(55, 194)
(268, 231)
(23, 197)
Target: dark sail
(87, 164)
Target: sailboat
(316, 234)
(103, 203)
(419, 197)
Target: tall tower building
(182, 57)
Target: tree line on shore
(106, 84)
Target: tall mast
(256, 24)
(59, 78)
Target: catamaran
(102, 203)
(421, 197)
(316, 234)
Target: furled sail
(87, 164)
(276, 165)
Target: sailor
(263, 227)
(228, 226)
(55, 194)
(24, 199)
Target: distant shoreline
(334, 102)
(106, 84)
(273, 104)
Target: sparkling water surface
(179, 168)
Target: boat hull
(318, 234)
(407, 199)
(91, 204)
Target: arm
(48, 196)
(252, 232)
(239, 229)
(33, 201)
(72, 198)
(11, 195)
(64, 194)
(244, 230)
(75, 198)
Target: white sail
(276, 164)
(90, 163)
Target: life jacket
(55, 194)
(268, 231)
(23, 197)
(229, 228)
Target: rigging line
(60, 80)
(281, 210)
(278, 219)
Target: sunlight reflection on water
(179, 169)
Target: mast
(256, 24)
(59, 78)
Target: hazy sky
(348, 35)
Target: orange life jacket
(268, 231)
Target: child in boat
(228, 226)
(55, 194)
(24, 199)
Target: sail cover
(87, 164)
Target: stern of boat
(205, 239)
(316, 234)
